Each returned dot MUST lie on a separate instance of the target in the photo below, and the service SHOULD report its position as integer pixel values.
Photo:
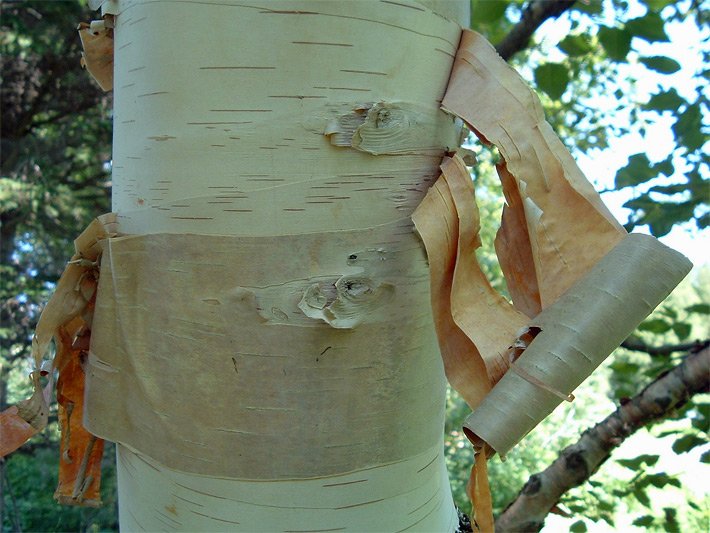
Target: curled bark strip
(576, 334)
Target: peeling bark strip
(567, 225)
(474, 323)
(80, 451)
(67, 318)
(581, 460)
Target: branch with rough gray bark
(534, 14)
(579, 461)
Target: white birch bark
(299, 136)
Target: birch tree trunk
(263, 348)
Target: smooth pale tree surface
(229, 121)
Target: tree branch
(579, 461)
(639, 346)
(534, 14)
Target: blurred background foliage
(593, 78)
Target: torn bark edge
(97, 43)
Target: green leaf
(642, 497)
(578, 527)
(665, 101)
(576, 508)
(488, 11)
(650, 28)
(671, 523)
(637, 170)
(616, 42)
(705, 457)
(636, 462)
(660, 216)
(667, 215)
(575, 45)
(662, 479)
(688, 128)
(624, 367)
(606, 505)
(592, 7)
(643, 521)
(665, 167)
(662, 64)
(687, 443)
(552, 78)
(669, 312)
(655, 325)
(608, 518)
(682, 330)
(701, 309)
(657, 5)
(678, 188)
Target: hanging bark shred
(447, 222)
(513, 248)
(80, 451)
(67, 319)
